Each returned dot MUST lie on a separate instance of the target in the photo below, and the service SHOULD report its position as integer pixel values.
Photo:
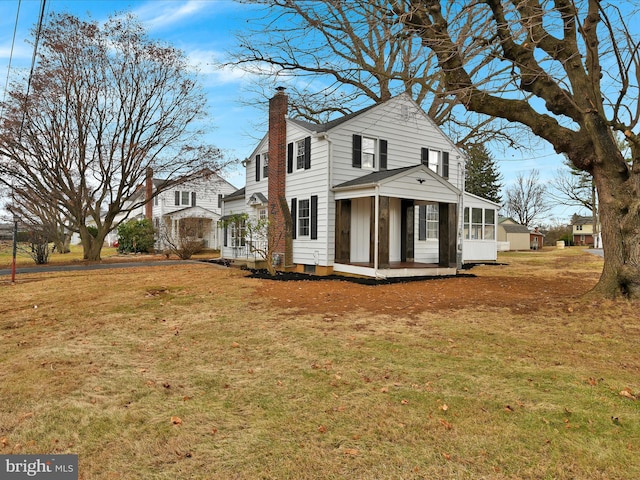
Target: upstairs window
(368, 152)
(436, 160)
(366, 149)
(185, 198)
(265, 165)
(299, 155)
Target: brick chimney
(279, 213)
(148, 192)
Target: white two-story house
(197, 199)
(376, 193)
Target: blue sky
(204, 30)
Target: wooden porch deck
(398, 265)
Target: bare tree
(105, 103)
(574, 70)
(184, 241)
(337, 57)
(36, 212)
(573, 187)
(526, 199)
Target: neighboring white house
(376, 193)
(199, 199)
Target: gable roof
(381, 178)
(374, 178)
(323, 127)
(515, 228)
(237, 194)
(581, 220)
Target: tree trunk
(91, 246)
(620, 238)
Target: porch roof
(416, 182)
(192, 212)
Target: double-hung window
(265, 165)
(304, 218)
(300, 154)
(428, 222)
(185, 198)
(368, 152)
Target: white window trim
(299, 154)
(376, 153)
(300, 218)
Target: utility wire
(33, 62)
(13, 42)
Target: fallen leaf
(351, 451)
(446, 456)
(405, 402)
(4, 442)
(384, 390)
(628, 394)
(214, 430)
(508, 408)
(446, 424)
(235, 345)
(176, 420)
(444, 407)
(322, 429)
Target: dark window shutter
(294, 215)
(383, 154)
(257, 168)
(422, 222)
(314, 217)
(177, 197)
(424, 156)
(219, 200)
(307, 153)
(290, 158)
(193, 199)
(356, 160)
(445, 164)
(226, 234)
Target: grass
(108, 254)
(184, 371)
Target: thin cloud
(159, 14)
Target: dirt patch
(499, 286)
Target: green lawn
(188, 371)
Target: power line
(13, 42)
(33, 61)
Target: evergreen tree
(482, 177)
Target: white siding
(301, 185)
(479, 250)
(395, 233)
(360, 229)
(407, 130)
(426, 251)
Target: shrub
(136, 236)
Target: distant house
(583, 232)
(198, 199)
(512, 235)
(376, 193)
(536, 239)
(6, 231)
